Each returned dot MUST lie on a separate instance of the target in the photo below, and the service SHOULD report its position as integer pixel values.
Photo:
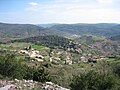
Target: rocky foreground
(28, 85)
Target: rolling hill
(58, 42)
(9, 31)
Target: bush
(41, 75)
(116, 69)
(95, 81)
(11, 67)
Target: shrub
(95, 81)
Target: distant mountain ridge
(8, 31)
(103, 29)
(47, 25)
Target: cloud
(33, 6)
(33, 3)
(74, 11)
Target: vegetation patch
(14, 45)
(39, 47)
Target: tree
(41, 75)
(116, 69)
(95, 81)
(11, 67)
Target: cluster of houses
(59, 56)
(33, 54)
(83, 58)
(74, 47)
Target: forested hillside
(49, 41)
(105, 45)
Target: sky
(59, 11)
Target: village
(73, 54)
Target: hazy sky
(60, 11)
